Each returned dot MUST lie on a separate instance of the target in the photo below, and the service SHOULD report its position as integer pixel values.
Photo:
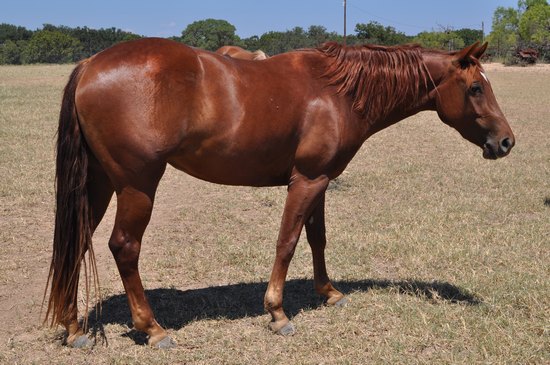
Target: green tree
(534, 23)
(446, 40)
(47, 46)
(273, 43)
(524, 5)
(93, 40)
(376, 33)
(317, 35)
(252, 43)
(351, 39)
(14, 33)
(278, 42)
(10, 52)
(210, 34)
(504, 34)
(470, 36)
(295, 38)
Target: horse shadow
(175, 308)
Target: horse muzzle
(497, 148)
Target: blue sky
(164, 18)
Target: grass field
(444, 256)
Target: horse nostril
(505, 144)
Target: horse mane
(378, 78)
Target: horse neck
(432, 67)
(437, 65)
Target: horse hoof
(81, 342)
(166, 343)
(342, 302)
(287, 330)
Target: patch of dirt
(537, 68)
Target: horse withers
(295, 119)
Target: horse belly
(249, 168)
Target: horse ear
(462, 57)
(480, 51)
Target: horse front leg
(303, 195)
(316, 237)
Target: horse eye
(476, 89)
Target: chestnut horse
(295, 119)
(243, 54)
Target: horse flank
(359, 71)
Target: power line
(345, 21)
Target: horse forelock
(378, 78)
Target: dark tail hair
(73, 231)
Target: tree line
(55, 44)
(528, 25)
(211, 34)
(61, 44)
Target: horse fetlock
(75, 334)
(147, 325)
(334, 297)
(154, 331)
(331, 293)
(280, 324)
(273, 303)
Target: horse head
(464, 100)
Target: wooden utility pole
(344, 22)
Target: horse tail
(73, 220)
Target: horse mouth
(489, 152)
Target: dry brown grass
(445, 256)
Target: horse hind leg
(316, 237)
(134, 208)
